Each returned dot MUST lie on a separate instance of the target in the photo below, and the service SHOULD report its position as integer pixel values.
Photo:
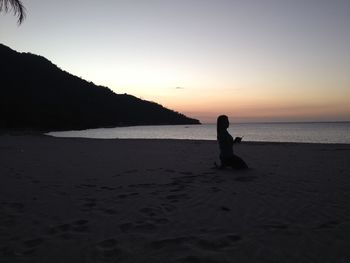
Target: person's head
(222, 123)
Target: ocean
(312, 132)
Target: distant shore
(123, 200)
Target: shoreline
(305, 133)
(327, 134)
(159, 200)
(200, 140)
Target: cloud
(179, 88)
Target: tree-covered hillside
(36, 94)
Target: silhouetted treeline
(36, 94)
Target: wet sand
(88, 200)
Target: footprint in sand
(178, 189)
(131, 171)
(108, 243)
(109, 211)
(107, 251)
(107, 188)
(212, 180)
(125, 195)
(186, 173)
(16, 206)
(177, 197)
(144, 227)
(153, 214)
(149, 211)
(8, 220)
(30, 243)
(170, 242)
(140, 227)
(80, 226)
(188, 179)
(168, 207)
(86, 186)
(66, 230)
(7, 251)
(122, 196)
(277, 226)
(200, 259)
(160, 220)
(328, 225)
(245, 178)
(30, 246)
(80, 222)
(155, 193)
(35, 181)
(215, 189)
(89, 204)
(218, 243)
(225, 208)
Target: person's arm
(238, 139)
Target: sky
(253, 60)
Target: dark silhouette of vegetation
(36, 94)
(16, 6)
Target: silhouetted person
(225, 140)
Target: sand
(88, 200)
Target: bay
(312, 132)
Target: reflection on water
(336, 132)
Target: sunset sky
(261, 60)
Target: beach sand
(88, 200)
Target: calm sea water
(325, 132)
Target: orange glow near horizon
(252, 60)
(254, 102)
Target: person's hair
(221, 124)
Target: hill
(36, 94)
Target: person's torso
(225, 144)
